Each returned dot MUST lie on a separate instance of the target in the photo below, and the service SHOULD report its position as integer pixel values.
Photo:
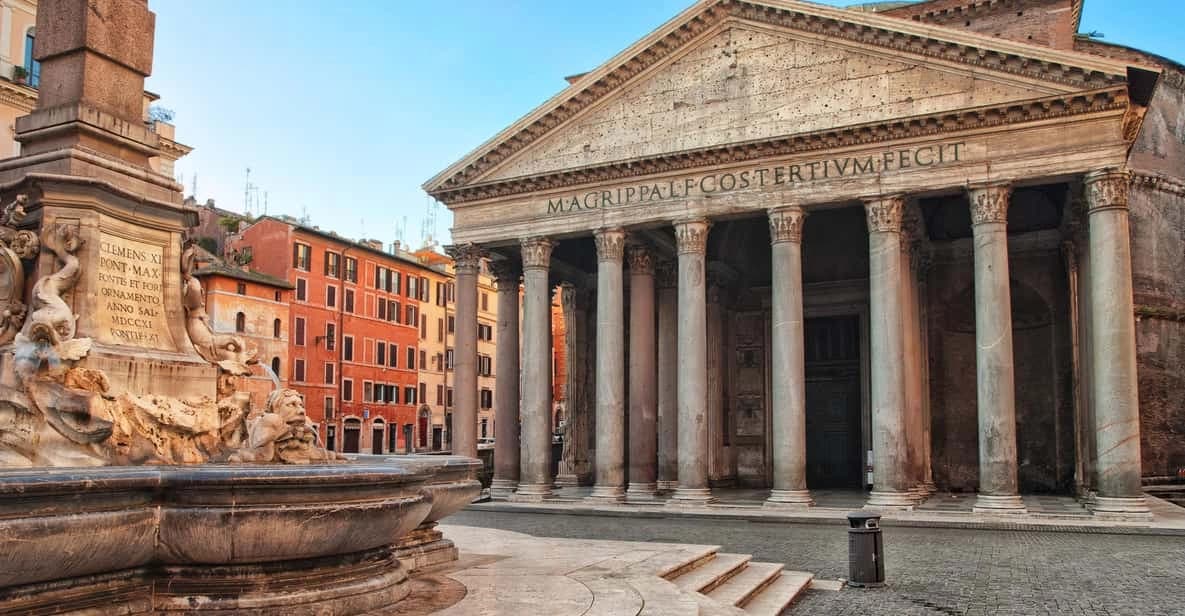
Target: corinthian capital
(640, 259)
(989, 203)
(884, 213)
(506, 274)
(610, 244)
(785, 224)
(691, 236)
(466, 257)
(536, 252)
(1106, 189)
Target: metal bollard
(866, 563)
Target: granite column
(1115, 385)
(668, 407)
(692, 239)
(535, 481)
(467, 262)
(643, 415)
(911, 232)
(506, 381)
(788, 361)
(610, 366)
(892, 488)
(994, 368)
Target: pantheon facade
(901, 248)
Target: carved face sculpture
(289, 405)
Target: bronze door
(833, 451)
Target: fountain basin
(261, 538)
(453, 485)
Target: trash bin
(866, 562)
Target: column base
(1120, 508)
(890, 500)
(606, 495)
(501, 489)
(789, 499)
(930, 487)
(691, 497)
(567, 480)
(920, 493)
(665, 485)
(993, 504)
(531, 493)
(641, 492)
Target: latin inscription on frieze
(130, 298)
(757, 178)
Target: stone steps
(712, 573)
(733, 585)
(779, 594)
(663, 598)
(588, 577)
(744, 585)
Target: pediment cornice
(1069, 70)
(1048, 108)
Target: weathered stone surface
(1157, 202)
(745, 84)
(712, 116)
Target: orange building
(559, 362)
(255, 306)
(355, 328)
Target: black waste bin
(866, 563)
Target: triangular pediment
(729, 72)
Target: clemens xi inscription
(130, 294)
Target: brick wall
(1050, 23)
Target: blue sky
(343, 109)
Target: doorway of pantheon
(833, 402)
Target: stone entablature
(952, 123)
(1030, 151)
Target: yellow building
(19, 73)
(436, 375)
(20, 76)
(487, 321)
(434, 345)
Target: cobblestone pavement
(930, 571)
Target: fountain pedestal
(266, 540)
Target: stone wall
(1157, 202)
(1037, 22)
(1041, 351)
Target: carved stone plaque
(129, 289)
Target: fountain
(134, 476)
